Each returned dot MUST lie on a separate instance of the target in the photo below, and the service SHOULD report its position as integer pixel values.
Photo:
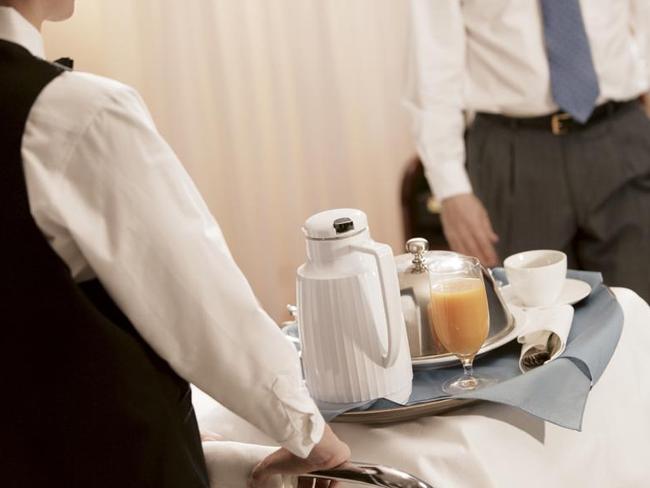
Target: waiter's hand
(208, 435)
(328, 453)
(468, 229)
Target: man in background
(117, 289)
(558, 154)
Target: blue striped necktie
(574, 83)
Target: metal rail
(369, 474)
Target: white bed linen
(491, 445)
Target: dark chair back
(420, 210)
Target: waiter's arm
(141, 224)
(435, 100)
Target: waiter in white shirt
(558, 155)
(117, 288)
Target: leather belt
(560, 123)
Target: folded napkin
(544, 335)
(230, 464)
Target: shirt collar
(15, 28)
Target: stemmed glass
(459, 315)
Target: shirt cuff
(305, 423)
(447, 180)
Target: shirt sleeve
(640, 25)
(434, 93)
(144, 229)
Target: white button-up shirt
(115, 203)
(489, 56)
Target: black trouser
(586, 192)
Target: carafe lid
(335, 224)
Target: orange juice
(459, 315)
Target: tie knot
(67, 63)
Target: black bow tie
(67, 63)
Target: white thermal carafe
(352, 333)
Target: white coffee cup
(537, 277)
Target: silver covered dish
(416, 296)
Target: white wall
(277, 108)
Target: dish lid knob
(418, 246)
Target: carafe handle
(383, 255)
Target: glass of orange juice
(459, 315)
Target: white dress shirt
(489, 56)
(114, 202)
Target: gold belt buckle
(558, 127)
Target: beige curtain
(277, 108)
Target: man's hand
(468, 229)
(645, 99)
(328, 453)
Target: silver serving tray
(502, 325)
(397, 414)
(403, 413)
(385, 415)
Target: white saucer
(572, 292)
(451, 360)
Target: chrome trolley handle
(369, 474)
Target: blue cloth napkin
(557, 391)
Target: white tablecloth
(491, 445)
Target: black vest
(85, 401)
